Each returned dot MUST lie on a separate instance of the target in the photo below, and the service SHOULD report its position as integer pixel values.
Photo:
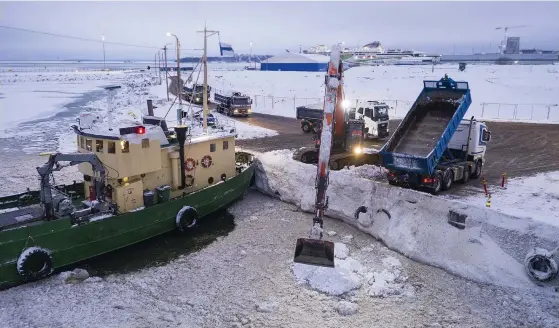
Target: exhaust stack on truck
(433, 146)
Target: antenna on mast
(205, 62)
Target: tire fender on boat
(186, 218)
(34, 263)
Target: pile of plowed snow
(490, 248)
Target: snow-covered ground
(417, 224)
(509, 92)
(534, 197)
(248, 279)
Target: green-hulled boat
(140, 181)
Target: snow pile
(534, 197)
(490, 249)
(389, 281)
(350, 275)
(346, 308)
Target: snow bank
(490, 249)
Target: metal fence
(286, 106)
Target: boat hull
(69, 243)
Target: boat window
(88, 144)
(125, 146)
(210, 180)
(225, 144)
(99, 146)
(111, 147)
(145, 143)
(212, 148)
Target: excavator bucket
(314, 252)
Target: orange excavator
(337, 132)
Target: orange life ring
(189, 164)
(206, 161)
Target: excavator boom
(314, 250)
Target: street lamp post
(103, 39)
(250, 58)
(166, 70)
(179, 84)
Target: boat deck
(20, 216)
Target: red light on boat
(140, 130)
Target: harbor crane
(506, 28)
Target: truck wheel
(438, 184)
(306, 127)
(466, 175)
(448, 178)
(316, 127)
(477, 170)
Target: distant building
(513, 45)
(295, 62)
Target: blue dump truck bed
(422, 137)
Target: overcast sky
(442, 27)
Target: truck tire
(448, 179)
(438, 186)
(477, 169)
(317, 127)
(306, 127)
(466, 175)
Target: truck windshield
(199, 88)
(381, 111)
(241, 101)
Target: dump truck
(233, 104)
(196, 93)
(434, 146)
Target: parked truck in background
(196, 93)
(433, 146)
(233, 104)
(374, 115)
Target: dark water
(160, 250)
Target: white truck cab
(479, 137)
(375, 115)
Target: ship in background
(375, 54)
(510, 54)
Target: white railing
(286, 106)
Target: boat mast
(205, 62)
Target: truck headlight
(197, 99)
(236, 111)
(358, 150)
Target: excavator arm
(314, 250)
(53, 165)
